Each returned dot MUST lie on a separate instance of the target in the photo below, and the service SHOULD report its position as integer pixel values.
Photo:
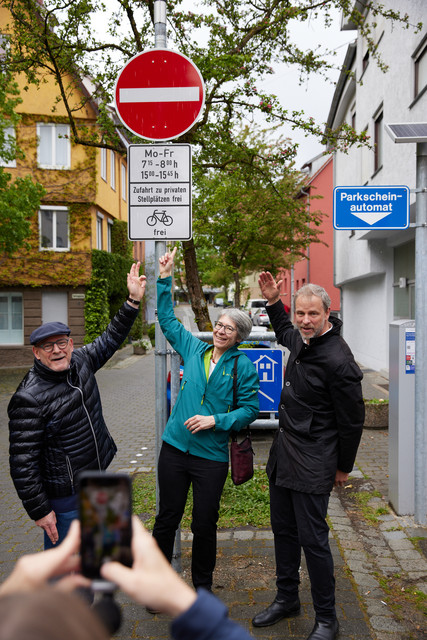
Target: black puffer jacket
(56, 426)
(321, 411)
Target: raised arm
(166, 263)
(136, 285)
(269, 287)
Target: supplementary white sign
(159, 191)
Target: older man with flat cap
(56, 426)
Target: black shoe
(275, 612)
(325, 630)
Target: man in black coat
(56, 426)
(321, 417)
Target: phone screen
(105, 504)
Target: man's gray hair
(309, 289)
(241, 320)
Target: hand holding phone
(105, 505)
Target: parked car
(260, 318)
(253, 304)
(220, 302)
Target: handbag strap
(235, 383)
(234, 433)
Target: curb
(383, 562)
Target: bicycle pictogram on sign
(159, 216)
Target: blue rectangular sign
(269, 366)
(371, 207)
(409, 350)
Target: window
(365, 62)
(9, 145)
(113, 170)
(378, 148)
(99, 219)
(404, 280)
(11, 319)
(54, 151)
(123, 182)
(104, 164)
(54, 232)
(54, 306)
(420, 75)
(109, 235)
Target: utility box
(401, 453)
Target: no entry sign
(159, 94)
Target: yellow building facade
(86, 192)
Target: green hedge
(120, 244)
(106, 292)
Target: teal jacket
(198, 396)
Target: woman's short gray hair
(241, 320)
(309, 289)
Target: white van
(253, 304)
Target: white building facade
(375, 269)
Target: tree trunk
(195, 291)
(237, 289)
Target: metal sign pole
(160, 249)
(421, 337)
(160, 24)
(161, 351)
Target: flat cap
(47, 330)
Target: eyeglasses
(48, 346)
(226, 327)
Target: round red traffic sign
(159, 94)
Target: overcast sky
(315, 95)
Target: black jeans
(176, 471)
(299, 520)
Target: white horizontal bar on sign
(159, 94)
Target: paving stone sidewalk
(368, 556)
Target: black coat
(56, 426)
(321, 410)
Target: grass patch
(246, 505)
(398, 594)
(369, 513)
(416, 542)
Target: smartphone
(105, 505)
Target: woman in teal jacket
(195, 441)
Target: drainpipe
(307, 194)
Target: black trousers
(176, 471)
(299, 520)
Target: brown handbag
(241, 453)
